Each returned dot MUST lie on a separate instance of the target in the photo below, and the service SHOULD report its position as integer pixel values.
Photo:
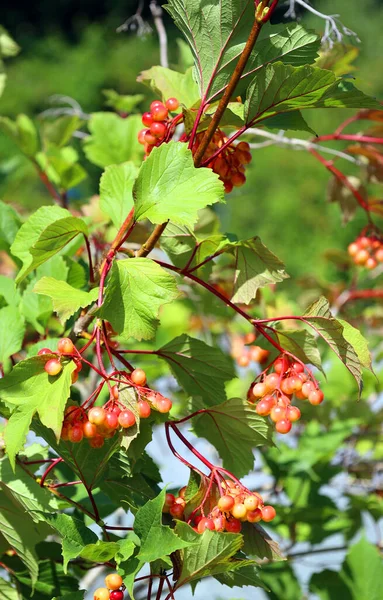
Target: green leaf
(258, 543)
(74, 535)
(217, 34)
(113, 140)
(363, 571)
(59, 132)
(328, 585)
(354, 337)
(7, 592)
(201, 370)
(318, 315)
(8, 46)
(9, 291)
(21, 532)
(36, 309)
(12, 331)
(136, 290)
(301, 344)
(157, 540)
(52, 580)
(30, 231)
(128, 399)
(66, 299)
(282, 88)
(206, 554)
(23, 133)
(9, 225)
(225, 424)
(172, 84)
(282, 582)
(116, 197)
(170, 187)
(100, 551)
(31, 390)
(61, 166)
(122, 103)
(290, 121)
(243, 574)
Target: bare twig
(157, 13)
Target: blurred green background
(72, 48)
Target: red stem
(362, 139)
(49, 469)
(91, 272)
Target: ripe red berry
(44, 351)
(233, 526)
(89, 429)
(253, 516)
(155, 103)
(172, 104)
(298, 367)
(144, 409)
(228, 188)
(126, 418)
(97, 441)
(244, 146)
(113, 581)
(264, 407)
(160, 113)
(150, 139)
(268, 513)
(226, 503)
(169, 500)
(164, 405)
(111, 420)
(76, 433)
(64, 435)
(205, 523)
(97, 415)
(158, 129)
(65, 346)
(371, 263)
(271, 382)
(379, 254)
(116, 595)
(53, 367)
(283, 426)
(293, 413)
(307, 388)
(147, 119)
(238, 179)
(176, 510)
(141, 136)
(138, 377)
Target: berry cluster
(65, 349)
(157, 123)
(244, 354)
(237, 505)
(274, 392)
(103, 422)
(367, 251)
(114, 589)
(230, 163)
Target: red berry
(138, 377)
(89, 429)
(160, 113)
(156, 103)
(147, 119)
(113, 581)
(228, 186)
(111, 420)
(53, 366)
(115, 392)
(65, 346)
(205, 523)
(97, 415)
(283, 426)
(116, 595)
(298, 367)
(268, 513)
(144, 409)
(126, 418)
(253, 516)
(141, 136)
(150, 139)
(271, 382)
(97, 441)
(76, 434)
(182, 492)
(277, 413)
(281, 364)
(307, 388)
(172, 104)
(169, 500)
(371, 263)
(264, 407)
(233, 526)
(316, 397)
(244, 146)
(164, 405)
(379, 254)
(44, 351)
(238, 179)
(176, 510)
(361, 257)
(293, 413)
(158, 129)
(226, 503)
(64, 435)
(364, 242)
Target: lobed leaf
(116, 197)
(66, 299)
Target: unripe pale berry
(113, 581)
(307, 388)
(353, 249)
(126, 418)
(150, 139)
(316, 397)
(182, 492)
(97, 415)
(271, 382)
(268, 513)
(226, 503)
(89, 429)
(371, 263)
(164, 405)
(53, 367)
(293, 413)
(277, 413)
(239, 511)
(361, 257)
(138, 377)
(259, 390)
(65, 346)
(101, 594)
(251, 502)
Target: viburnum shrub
(125, 314)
